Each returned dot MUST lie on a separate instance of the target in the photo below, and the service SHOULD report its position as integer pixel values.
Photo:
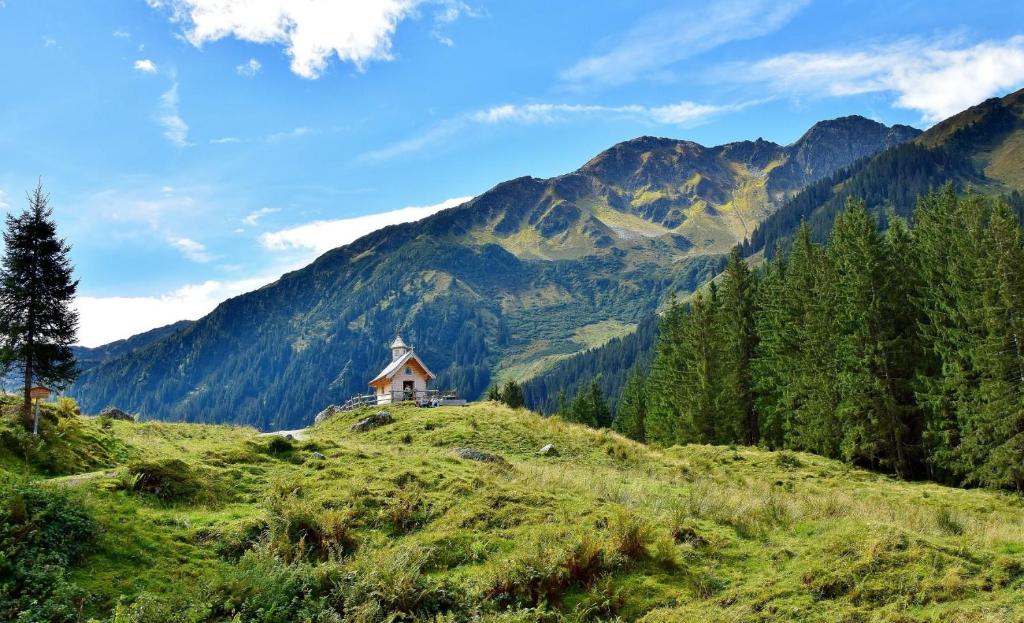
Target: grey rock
(116, 414)
(478, 455)
(318, 456)
(549, 450)
(372, 422)
(327, 414)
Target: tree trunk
(26, 408)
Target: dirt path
(300, 434)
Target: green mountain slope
(186, 522)
(503, 286)
(980, 147)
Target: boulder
(116, 414)
(327, 414)
(549, 450)
(318, 456)
(478, 455)
(372, 422)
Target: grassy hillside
(393, 525)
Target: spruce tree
(38, 322)
(948, 258)
(774, 329)
(869, 355)
(664, 391)
(993, 435)
(512, 394)
(699, 377)
(739, 340)
(631, 415)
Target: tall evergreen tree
(700, 375)
(739, 340)
(589, 407)
(631, 415)
(37, 321)
(993, 436)
(512, 394)
(869, 354)
(948, 257)
(775, 343)
(664, 391)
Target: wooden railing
(420, 397)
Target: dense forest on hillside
(609, 364)
(901, 350)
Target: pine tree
(773, 326)
(664, 391)
(871, 372)
(631, 415)
(948, 257)
(993, 436)
(512, 394)
(700, 375)
(589, 407)
(739, 340)
(37, 321)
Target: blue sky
(197, 149)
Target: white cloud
(434, 136)
(936, 78)
(253, 217)
(195, 251)
(667, 37)
(312, 31)
(682, 113)
(105, 319)
(49, 42)
(145, 65)
(224, 140)
(122, 34)
(293, 133)
(249, 68)
(4, 205)
(175, 128)
(321, 236)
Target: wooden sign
(39, 392)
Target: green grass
(392, 521)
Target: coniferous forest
(897, 349)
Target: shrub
(167, 479)
(389, 585)
(631, 535)
(42, 533)
(787, 460)
(263, 587)
(67, 407)
(299, 529)
(947, 522)
(406, 510)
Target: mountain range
(981, 148)
(504, 286)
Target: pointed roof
(398, 343)
(392, 368)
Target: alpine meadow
(738, 339)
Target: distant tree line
(898, 350)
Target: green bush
(168, 479)
(42, 533)
(299, 529)
(390, 585)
